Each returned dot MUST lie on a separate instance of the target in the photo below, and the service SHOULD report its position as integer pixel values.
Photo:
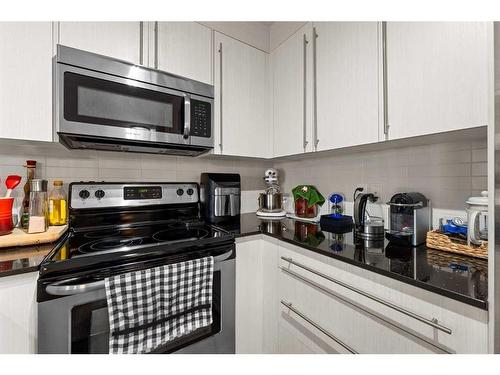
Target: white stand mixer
(271, 202)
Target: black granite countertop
(22, 259)
(462, 278)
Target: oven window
(90, 326)
(97, 101)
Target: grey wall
(447, 173)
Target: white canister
(477, 219)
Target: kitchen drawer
(369, 307)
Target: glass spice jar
(302, 209)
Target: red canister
(6, 224)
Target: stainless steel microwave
(108, 104)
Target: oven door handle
(59, 289)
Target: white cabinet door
(18, 317)
(26, 80)
(437, 76)
(256, 307)
(347, 84)
(241, 81)
(121, 40)
(185, 49)
(292, 94)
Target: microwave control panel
(201, 118)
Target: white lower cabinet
(256, 308)
(363, 324)
(18, 316)
(339, 308)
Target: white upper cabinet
(26, 80)
(121, 40)
(347, 84)
(291, 67)
(437, 77)
(185, 49)
(242, 92)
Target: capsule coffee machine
(409, 219)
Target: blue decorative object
(337, 208)
(451, 228)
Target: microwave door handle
(187, 116)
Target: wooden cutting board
(19, 237)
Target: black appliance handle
(360, 207)
(60, 289)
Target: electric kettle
(366, 226)
(477, 219)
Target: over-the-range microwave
(108, 104)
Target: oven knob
(180, 192)
(84, 194)
(190, 191)
(99, 194)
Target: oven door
(101, 105)
(78, 323)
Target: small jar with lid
(38, 212)
(58, 205)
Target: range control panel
(107, 195)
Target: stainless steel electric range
(121, 227)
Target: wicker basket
(444, 259)
(439, 241)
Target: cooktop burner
(109, 244)
(177, 235)
(102, 233)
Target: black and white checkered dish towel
(151, 307)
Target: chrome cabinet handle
(304, 130)
(220, 96)
(187, 116)
(68, 290)
(156, 45)
(318, 327)
(430, 322)
(315, 90)
(141, 43)
(384, 78)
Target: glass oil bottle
(58, 205)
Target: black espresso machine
(410, 218)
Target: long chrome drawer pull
(318, 327)
(380, 317)
(432, 323)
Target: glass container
(302, 209)
(58, 205)
(38, 210)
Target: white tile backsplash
(447, 173)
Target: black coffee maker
(220, 195)
(409, 219)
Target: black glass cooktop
(116, 241)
